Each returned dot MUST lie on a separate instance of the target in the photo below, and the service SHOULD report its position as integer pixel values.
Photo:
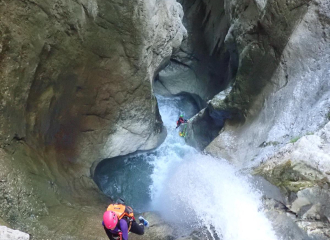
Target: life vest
(121, 211)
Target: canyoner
(177, 177)
(119, 221)
(184, 122)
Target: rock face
(293, 98)
(158, 229)
(279, 94)
(203, 66)
(77, 79)
(302, 171)
(76, 88)
(75, 74)
(9, 234)
(264, 38)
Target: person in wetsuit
(180, 121)
(116, 228)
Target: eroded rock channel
(78, 84)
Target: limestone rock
(295, 100)
(305, 160)
(178, 78)
(283, 222)
(310, 212)
(208, 119)
(202, 129)
(10, 234)
(300, 170)
(202, 66)
(255, 38)
(77, 75)
(76, 81)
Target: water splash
(192, 190)
(197, 190)
(209, 192)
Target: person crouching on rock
(180, 121)
(119, 220)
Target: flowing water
(189, 189)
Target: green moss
(290, 186)
(286, 178)
(3, 223)
(295, 139)
(271, 143)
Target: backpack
(122, 211)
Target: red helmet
(110, 219)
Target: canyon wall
(274, 113)
(76, 82)
(256, 38)
(203, 66)
(294, 98)
(77, 87)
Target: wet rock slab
(158, 229)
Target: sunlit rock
(300, 170)
(10, 234)
(294, 101)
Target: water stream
(190, 190)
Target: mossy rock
(3, 223)
(291, 177)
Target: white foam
(218, 196)
(198, 190)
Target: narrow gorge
(91, 92)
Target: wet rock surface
(280, 111)
(77, 75)
(277, 62)
(76, 88)
(202, 66)
(77, 80)
(158, 229)
(294, 102)
(210, 119)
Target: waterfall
(191, 190)
(195, 190)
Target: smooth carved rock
(77, 76)
(202, 66)
(257, 32)
(293, 103)
(76, 81)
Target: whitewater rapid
(189, 189)
(195, 190)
